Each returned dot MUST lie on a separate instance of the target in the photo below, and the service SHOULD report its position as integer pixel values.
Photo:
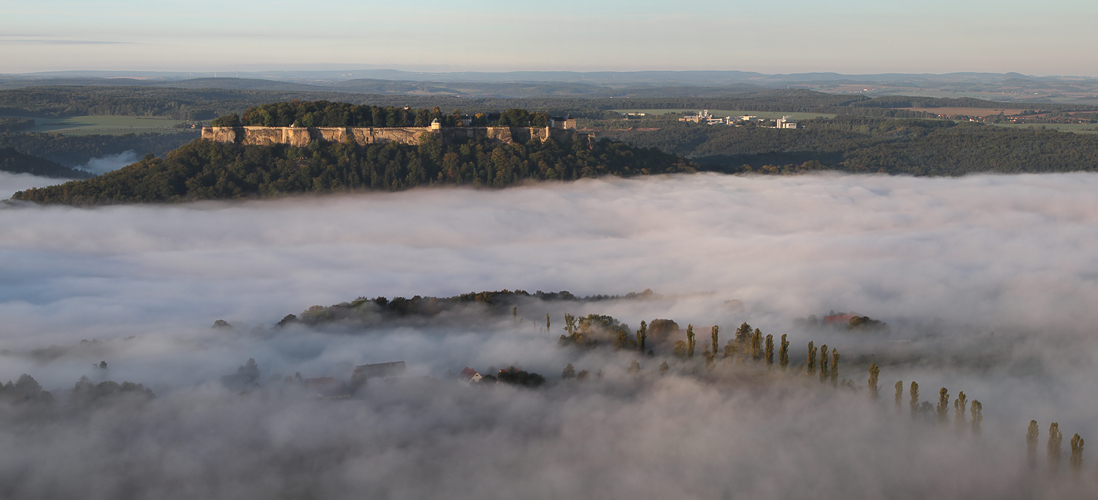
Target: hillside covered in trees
(863, 144)
(205, 170)
(19, 163)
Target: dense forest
(204, 170)
(19, 163)
(863, 144)
(340, 114)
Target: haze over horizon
(846, 37)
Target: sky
(847, 36)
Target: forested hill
(19, 163)
(206, 170)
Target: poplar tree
(769, 350)
(1054, 441)
(977, 411)
(547, 322)
(1076, 454)
(783, 353)
(959, 406)
(569, 324)
(730, 348)
(756, 344)
(914, 399)
(899, 394)
(714, 340)
(834, 366)
(823, 362)
(1032, 435)
(943, 405)
(874, 375)
(690, 341)
(642, 335)
(810, 368)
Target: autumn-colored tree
(874, 375)
(569, 372)
(570, 324)
(680, 349)
(714, 339)
(823, 363)
(730, 348)
(1054, 441)
(960, 405)
(582, 375)
(834, 367)
(1032, 435)
(769, 350)
(1076, 454)
(914, 399)
(709, 357)
(664, 368)
(943, 405)
(756, 344)
(810, 368)
(642, 335)
(899, 394)
(690, 341)
(634, 367)
(977, 411)
(783, 353)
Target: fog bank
(986, 282)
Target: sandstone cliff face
(300, 136)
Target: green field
(1079, 128)
(721, 113)
(105, 125)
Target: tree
(834, 366)
(743, 334)
(680, 349)
(960, 405)
(899, 394)
(874, 375)
(1054, 441)
(810, 368)
(823, 363)
(756, 344)
(582, 375)
(1076, 454)
(943, 405)
(634, 367)
(914, 399)
(714, 341)
(642, 335)
(664, 368)
(569, 324)
(547, 322)
(569, 372)
(783, 353)
(977, 410)
(690, 341)
(769, 350)
(730, 348)
(1032, 435)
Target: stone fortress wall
(301, 136)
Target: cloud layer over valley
(987, 283)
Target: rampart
(301, 136)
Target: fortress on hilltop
(558, 130)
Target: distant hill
(207, 170)
(19, 163)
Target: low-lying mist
(986, 283)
